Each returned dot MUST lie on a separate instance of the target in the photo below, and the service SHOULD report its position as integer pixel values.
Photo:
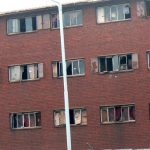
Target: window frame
(110, 15)
(71, 109)
(22, 114)
(118, 61)
(19, 26)
(36, 70)
(107, 107)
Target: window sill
(66, 27)
(25, 80)
(27, 128)
(72, 125)
(71, 76)
(119, 122)
(18, 33)
(115, 72)
(114, 21)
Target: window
(70, 18)
(25, 72)
(113, 13)
(27, 24)
(117, 113)
(54, 20)
(25, 120)
(148, 7)
(115, 63)
(74, 67)
(78, 116)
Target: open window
(78, 116)
(25, 72)
(73, 68)
(117, 113)
(115, 63)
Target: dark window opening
(129, 61)
(69, 68)
(34, 26)
(148, 7)
(24, 73)
(109, 64)
(14, 121)
(102, 64)
(22, 25)
(72, 118)
(128, 13)
(38, 119)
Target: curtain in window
(132, 112)
(31, 72)
(100, 15)
(118, 113)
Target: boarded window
(25, 72)
(77, 117)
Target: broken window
(78, 116)
(118, 113)
(25, 120)
(118, 62)
(72, 18)
(27, 24)
(73, 67)
(113, 13)
(25, 72)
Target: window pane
(56, 118)
(66, 19)
(82, 66)
(26, 120)
(75, 67)
(113, 13)
(118, 113)
(72, 117)
(32, 120)
(69, 68)
(15, 73)
(123, 62)
(107, 14)
(13, 26)
(38, 119)
(100, 15)
(34, 23)
(104, 115)
(120, 12)
(109, 64)
(55, 21)
(111, 114)
(132, 112)
(125, 114)
(20, 121)
(62, 117)
(129, 61)
(102, 64)
(127, 11)
(73, 18)
(79, 17)
(31, 72)
(22, 25)
(28, 22)
(14, 121)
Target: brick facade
(89, 91)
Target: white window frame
(22, 114)
(114, 106)
(72, 67)
(110, 8)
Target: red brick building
(107, 50)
